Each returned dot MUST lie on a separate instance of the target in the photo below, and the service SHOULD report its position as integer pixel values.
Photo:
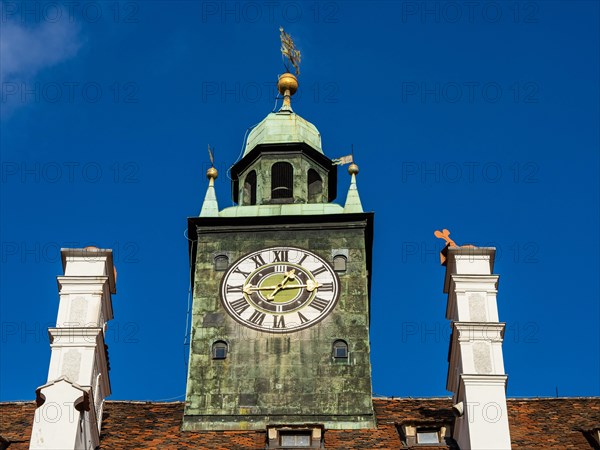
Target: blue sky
(479, 117)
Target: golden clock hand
(310, 286)
(289, 275)
(249, 288)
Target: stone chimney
(69, 405)
(476, 365)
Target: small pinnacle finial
(353, 204)
(212, 173)
(210, 207)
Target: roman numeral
(244, 274)
(257, 317)
(302, 318)
(319, 304)
(326, 287)
(258, 260)
(232, 288)
(239, 305)
(319, 270)
(278, 322)
(303, 258)
(280, 255)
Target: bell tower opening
(282, 182)
(250, 189)
(315, 186)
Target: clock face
(279, 289)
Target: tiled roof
(547, 423)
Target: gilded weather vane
(445, 235)
(289, 50)
(211, 155)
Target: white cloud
(26, 50)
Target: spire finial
(210, 207)
(211, 173)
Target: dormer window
(428, 436)
(315, 186)
(282, 181)
(295, 439)
(294, 436)
(414, 435)
(250, 189)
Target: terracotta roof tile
(548, 423)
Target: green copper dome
(284, 126)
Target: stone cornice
(73, 254)
(473, 253)
(478, 331)
(88, 285)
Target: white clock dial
(279, 289)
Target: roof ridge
(179, 402)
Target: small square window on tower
(221, 263)
(340, 263)
(219, 350)
(340, 350)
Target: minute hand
(310, 286)
(289, 275)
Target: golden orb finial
(287, 82)
(212, 173)
(287, 85)
(352, 169)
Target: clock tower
(281, 285)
